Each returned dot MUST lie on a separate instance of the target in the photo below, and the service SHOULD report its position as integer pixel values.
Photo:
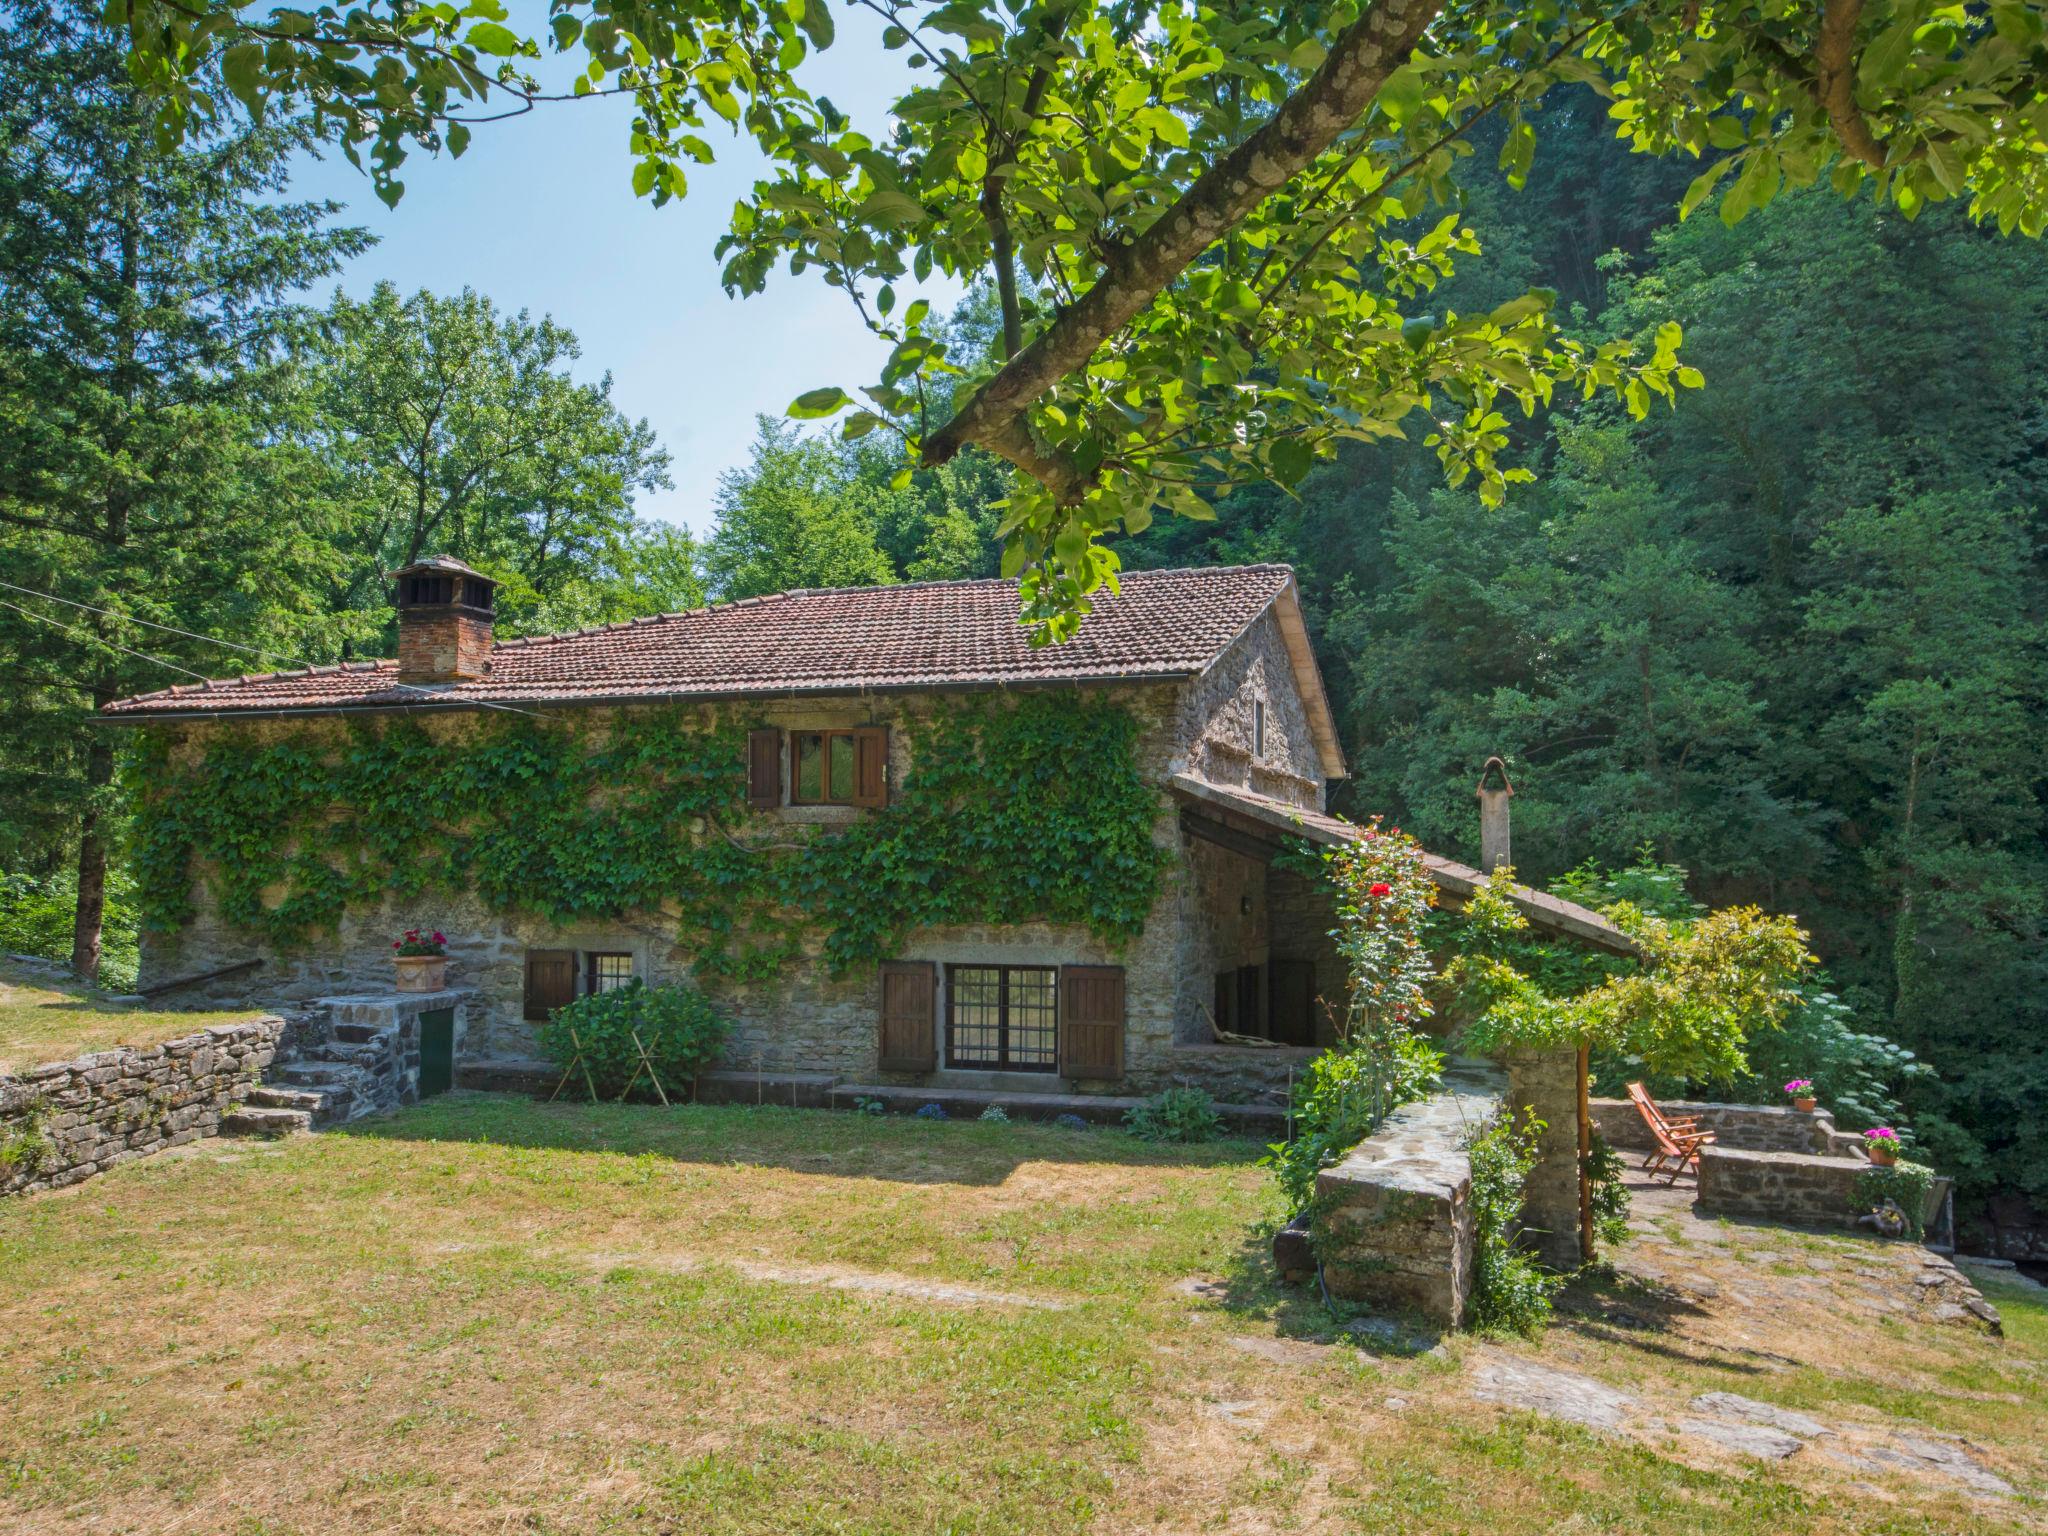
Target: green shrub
(1340, 1100)
(1510, 1293)
(677, 1024)
(1178, 1114)
(1905, 1184)
(1605, 1172)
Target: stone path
(1727, 1420)
(831, 1277)
(1759, 1300)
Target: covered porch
(1265, 971)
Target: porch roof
(1249, 814)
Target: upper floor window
(1258, 728)
(824, 767)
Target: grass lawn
(41, 1023)
(486, 1315)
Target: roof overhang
(527, 703)
(1256, 825)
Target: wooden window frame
(590, 977)
(1002, 1063)
(871, 741)
(539, 1011)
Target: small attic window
(1258, 728)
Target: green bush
(1510, 1293)
(1905, 1184)
(677, 1024)
(1605, 1173)
(1340, 1100)
(1178, 1114)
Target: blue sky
(539, 214)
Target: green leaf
(489, 37)
(819, 402)
(816, 20)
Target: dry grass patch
(484, 1315)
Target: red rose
(1381, 888)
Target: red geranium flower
(1381, 888)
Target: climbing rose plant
(1383, 894)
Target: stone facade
(809, 1021)
(1395, 1222)
(69, 1120)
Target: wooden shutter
(910, 1003)
(550, 981)
(871, 765)
(764, 769)
(1092, 1021)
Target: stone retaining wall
(68, 1120)
(1745, 1127)
(1396, 1225)
(1798, 1187)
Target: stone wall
(1214, 726)
(1547, 1084)
(1750, 1127)
(68, 1120)
(1395, 1222)
(1797, 1187)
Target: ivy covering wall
(1013, 811)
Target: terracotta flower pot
(1805, 1105)
(421, 973)
(1882, 1153)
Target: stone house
(1235, 741)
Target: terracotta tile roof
(1161, 625)
(1456, 881)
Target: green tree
(441, 426)
(144, 295)
(793, 517)
(1233, 216)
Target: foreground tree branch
(1310, 120)
(1834, 59)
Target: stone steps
(256, 1120)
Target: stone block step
(273, 1097)
(352, 1053)
(257, 1121)
(314, 1074)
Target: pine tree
(143, 292)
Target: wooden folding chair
(1677, 1142)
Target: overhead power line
(188, 634)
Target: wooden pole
(1585, 1154)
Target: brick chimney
(1494, 847)
(445, 613)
